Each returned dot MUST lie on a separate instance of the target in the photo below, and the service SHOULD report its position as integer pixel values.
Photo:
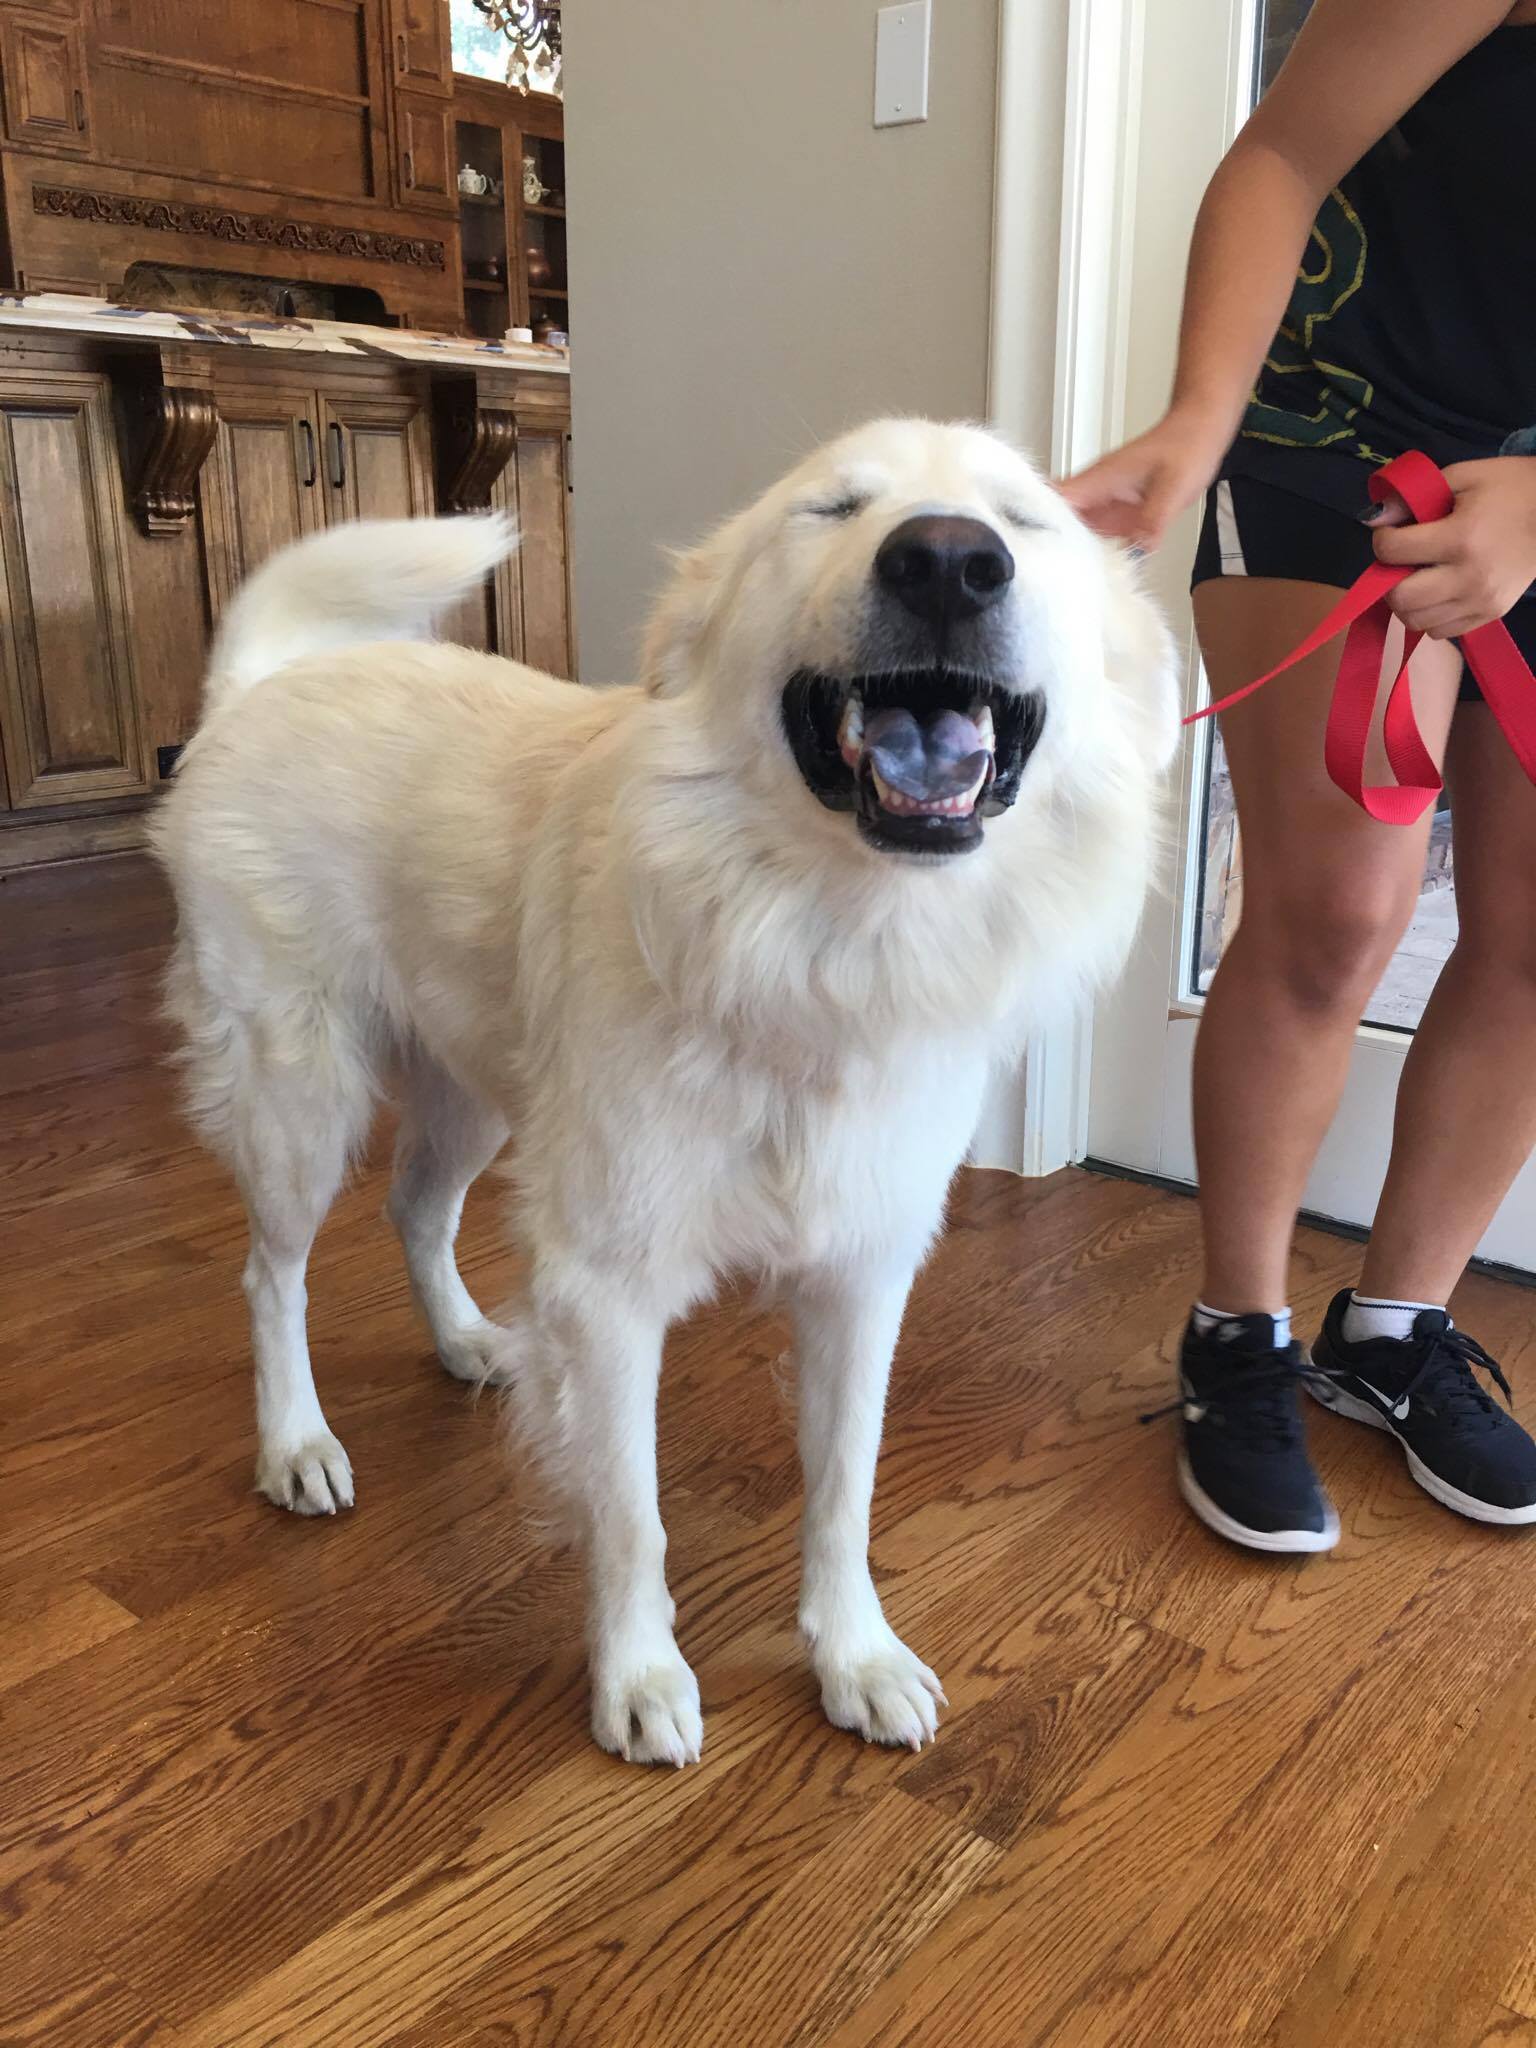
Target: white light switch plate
(901, 63)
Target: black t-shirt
(1412, 323)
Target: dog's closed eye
(847, 505)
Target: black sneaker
(1461, 1446)
(1243, 1466)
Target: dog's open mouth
(921, 757)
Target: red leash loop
(1508, 687)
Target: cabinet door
(44, 69)
(377, 457)
(534, 489)
(262, 485)
(421, 45)
(424, 169)
(66, 695)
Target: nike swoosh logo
(1398, 1410)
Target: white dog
(730, 953)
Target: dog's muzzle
(920, 757)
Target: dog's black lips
(812, 709)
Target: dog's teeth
(850, 733)
(941, 807)
(981, 717)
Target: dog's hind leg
(291, 1132)
(447, 1139)
(282, 1093)
(846, 1324)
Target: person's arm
(1356, 67)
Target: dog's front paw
(309, 1478)
(880, 1690)
(648, 1713)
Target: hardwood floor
(272, 1782)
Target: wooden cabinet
(141, 483)
(290, 458)
(512, 246)
(43, 63)
(373, 459)
(424, 169)
(67, 699)
(301, 142)
(378, 457)
(261, 485)
(534, 489)
(421, 45)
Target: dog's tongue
(928, 763)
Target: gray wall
(753, 265)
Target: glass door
(1202, 64)
(1404, 989)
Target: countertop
(67, 313)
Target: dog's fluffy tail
(374, 579)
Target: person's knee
(1326, 950)
(1499, 947)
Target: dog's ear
(679, 618)
(1143, 660)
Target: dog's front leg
(602, 1362)
(846, 1325)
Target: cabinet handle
(408, 169)
(309, 453)
(79, 110)
(400, 56)
(338, 456)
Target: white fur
(726, 1032)
(375, 579)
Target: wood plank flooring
(267, 1783)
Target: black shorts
(1255, 529)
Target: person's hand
(1135, 493)
(1475, 563)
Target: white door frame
(1037, 1121)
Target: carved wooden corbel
(179, 426)
(476, 438)
(168, 420)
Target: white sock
(1368, 1317)
(1206, 1318)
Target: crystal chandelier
(532, 27)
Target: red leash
(1508, 687)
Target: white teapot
(472, 181)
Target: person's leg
(1466, 1105)
(1327, 892)
(1465, 1124)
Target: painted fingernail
(1370, 515)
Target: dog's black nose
(943, 568)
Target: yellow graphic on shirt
(1331, 272)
